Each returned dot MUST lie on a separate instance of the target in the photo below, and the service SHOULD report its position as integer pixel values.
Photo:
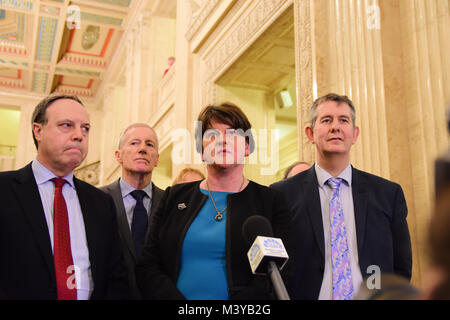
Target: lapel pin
(181, 206)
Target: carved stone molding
(253, 22)
(304, 73)
(209, 93)
(199, 17)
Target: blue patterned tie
(139, 222)
(340, 256)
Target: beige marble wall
(389, 57)
(347, 59)
(425, 31)
(397, 125)
(135, 90)
(115, 117)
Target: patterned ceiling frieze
(12, 78)
(12, 48)
(84, 60)
(42, 67)
(123, 3)
(47, 33)
(86, 16)
(40, 81)
(43, 51)
(17, 4)
(78, 72)
(16, 84)
(53, 11)
(75, 91)
(13, 63)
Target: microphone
(266, 255)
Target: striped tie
(340, 257)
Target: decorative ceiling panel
(46, 38)
(12, 30)
(17, 4)
(123, 3)
(59, 45)
(90, 41)
(270, 60)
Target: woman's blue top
(203, 273)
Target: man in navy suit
(58, 234)
(137, 153)
(336, 250)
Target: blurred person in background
(295, 168)
(188, 175)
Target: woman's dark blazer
(157, 272)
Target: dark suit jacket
(129, 250)
(157, 272)
(26, 269)
(381, 228)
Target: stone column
(184, 76)
(348, 55)
(417, 74)
(389, 57)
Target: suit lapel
(122, 221)
(360, 195)
(27, 192)
(312, 198)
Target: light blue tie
(340, 256)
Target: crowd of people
(61, 238)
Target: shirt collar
(125, 188)
(323, 175)
(42, 174)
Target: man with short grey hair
(134, 194)
(348, 222)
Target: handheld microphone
(267, 254)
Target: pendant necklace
(219, 215)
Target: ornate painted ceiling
(59, 45)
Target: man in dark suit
(137, 153)
(58, 235)
(348, 222)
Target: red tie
(64, 269)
